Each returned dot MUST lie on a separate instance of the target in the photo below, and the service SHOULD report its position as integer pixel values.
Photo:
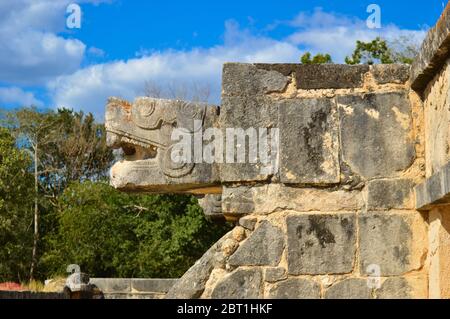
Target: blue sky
(124, 44)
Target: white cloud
(322, 32)
(89, 88)
(18, 97)
(31, 51)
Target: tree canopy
(56, 207)
(317, 59)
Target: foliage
(400, 50)
(71, 146)
(317, 59)
(370, 53)
(65, 146)
(16, 211)
(113, 234)
(81, 219)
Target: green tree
(399, 50)
(370, 53)
(317, 59)
(35, 131)
(16, 210)
(65, 146)
(114, 234)
(106, 232)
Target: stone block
(248, 222)
(390, 193)
(237, 201)
(323, 76)
(240, 284)
(309, 141)
(246, 79)
(390, 73)
(112, 285)
(433, 53)
(394, 242)
(263, 247)
(295, 288)
(394, 288)
(321, 243)
(330, 76)
(351, 288)
(435, 190)
(252, 116)
(274, 274)
(152, 285)
(267, 199)
(375, 133)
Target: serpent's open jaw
(133, 149)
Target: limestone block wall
(430, 78)
(338, 218)
(437, 115)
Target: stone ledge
(321, 76)
(434, 191)
(434, 52)
(131, 285)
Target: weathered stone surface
(433, 53)
(439, 252)
(240, 284)
(229, 246)
(275, 197)
(254, 115)
(144, 130)
(133, 295)
(324, 76)
(266, 199)
(332, 76)
(394, 288)
(212, 207)
(320, 243)
(248, 222)
(132, 288)
(435, 190)
(273, 274)
(375, 130)
(352, 288)
(152, 285)
(390, 193)
(394, 242)
(295, 288)
(390, 73)
(238, 233)
(309, 141)
(437, 121)
(113, 285)
(246, 79)
(192, 283)
(263, 247)
(237, 201)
